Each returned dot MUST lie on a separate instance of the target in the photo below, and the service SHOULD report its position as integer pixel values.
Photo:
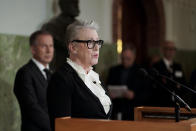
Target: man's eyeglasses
(90, 43)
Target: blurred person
(75, 89)
(126, 74)
(168, 67)
(31, 83)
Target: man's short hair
(35, 34)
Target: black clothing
(30, 89)
(69, 96)
(118, 75)
(193, 80)
(193, 86)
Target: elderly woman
(75, 89)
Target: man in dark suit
(168, 67)
(126, 74)
(31, 83)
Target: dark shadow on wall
(57, 27)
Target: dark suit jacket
(161, 96)
(69, 96)
(30, 89)
(134, 82)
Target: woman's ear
(73, 48)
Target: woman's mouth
(95, 55)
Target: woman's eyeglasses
(90, 43)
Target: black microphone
(155, 73)
(144, 73)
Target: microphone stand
(177, 100)
(177, 107)
(177, 111)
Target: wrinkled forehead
(86, 33)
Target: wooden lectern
(73, 124)
(146, 119)
(161, 114)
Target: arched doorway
(142, 23)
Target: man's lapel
(37, 73)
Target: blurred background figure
(31, 83)
(126, 75)
(168, 67)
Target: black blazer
(69, 96)
(30, 89)
(135, 82)
(115, 73)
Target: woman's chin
(94, 62)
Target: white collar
(92, 81)
(82, 73)
(39, 65)
(167, 63)
(77, 67)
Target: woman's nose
(96, 47)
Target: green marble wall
(14, 52)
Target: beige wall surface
(22, 17)
(181, 23)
